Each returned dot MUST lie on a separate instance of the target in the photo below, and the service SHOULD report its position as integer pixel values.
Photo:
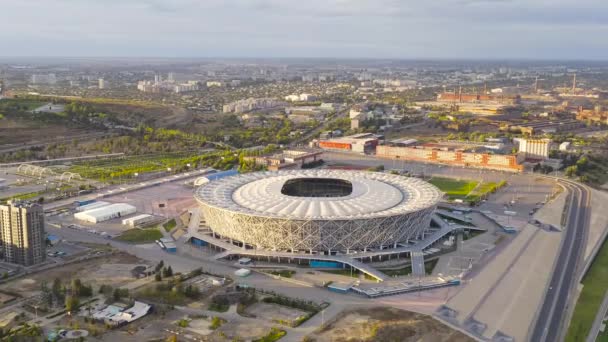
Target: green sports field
(465, 189)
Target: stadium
(318, 211)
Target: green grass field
(169, 225)
(454, 188)
(117, 169)
(595, 286)
(23, 104)
(464, 189)
(140, 235)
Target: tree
(571, 171)
(71, 303)
(75, 287)
(158, 277)
(56, 289)
(167, 272)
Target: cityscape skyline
(335, 29)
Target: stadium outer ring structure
(380, 211)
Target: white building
(214, 84)
(102, 83)
(307, 97)
(242, 106)
(105, 213)
(138, 220)
(44, 79)
(292, 98)
(91, 206)
(535, 148)
(185, 87)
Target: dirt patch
(386, 325)
(95, 271)
(274, 312)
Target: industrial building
(105, 213)
(22, 233)
(92, 205)
(318, 211)
(459, 97)
(457, 158)
(362, 143)
(535, 148)
(539, 127)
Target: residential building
(22, 233)
(44, 79)
(102, 83)
(242, 106)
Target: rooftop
(354, 194)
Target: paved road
(554, 310)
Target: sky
(401, 29)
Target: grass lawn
(169, 225)
(274, 335)
(468, 190)
(454, 188)
(125, 168)
(140, 235)
(595, 285)
(23, 103)
(218, 307)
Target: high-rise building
(22, 233)
(102, 83)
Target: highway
(553, 312)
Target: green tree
(571, 171)
(71, 303)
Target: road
(551, 317)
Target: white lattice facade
(362, 210)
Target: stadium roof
(373, 194)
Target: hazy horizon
(336, 29)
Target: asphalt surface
(554, 310)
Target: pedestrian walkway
(418, 264)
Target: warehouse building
(105, 213)
(139, 220)
(91, 206)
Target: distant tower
(102, 83)
(536, 85)
(574, 83)
(156, 79)
(485, 88)
(170, 77)
(459, 93)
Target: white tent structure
(106, 213)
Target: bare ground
(386, 325)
